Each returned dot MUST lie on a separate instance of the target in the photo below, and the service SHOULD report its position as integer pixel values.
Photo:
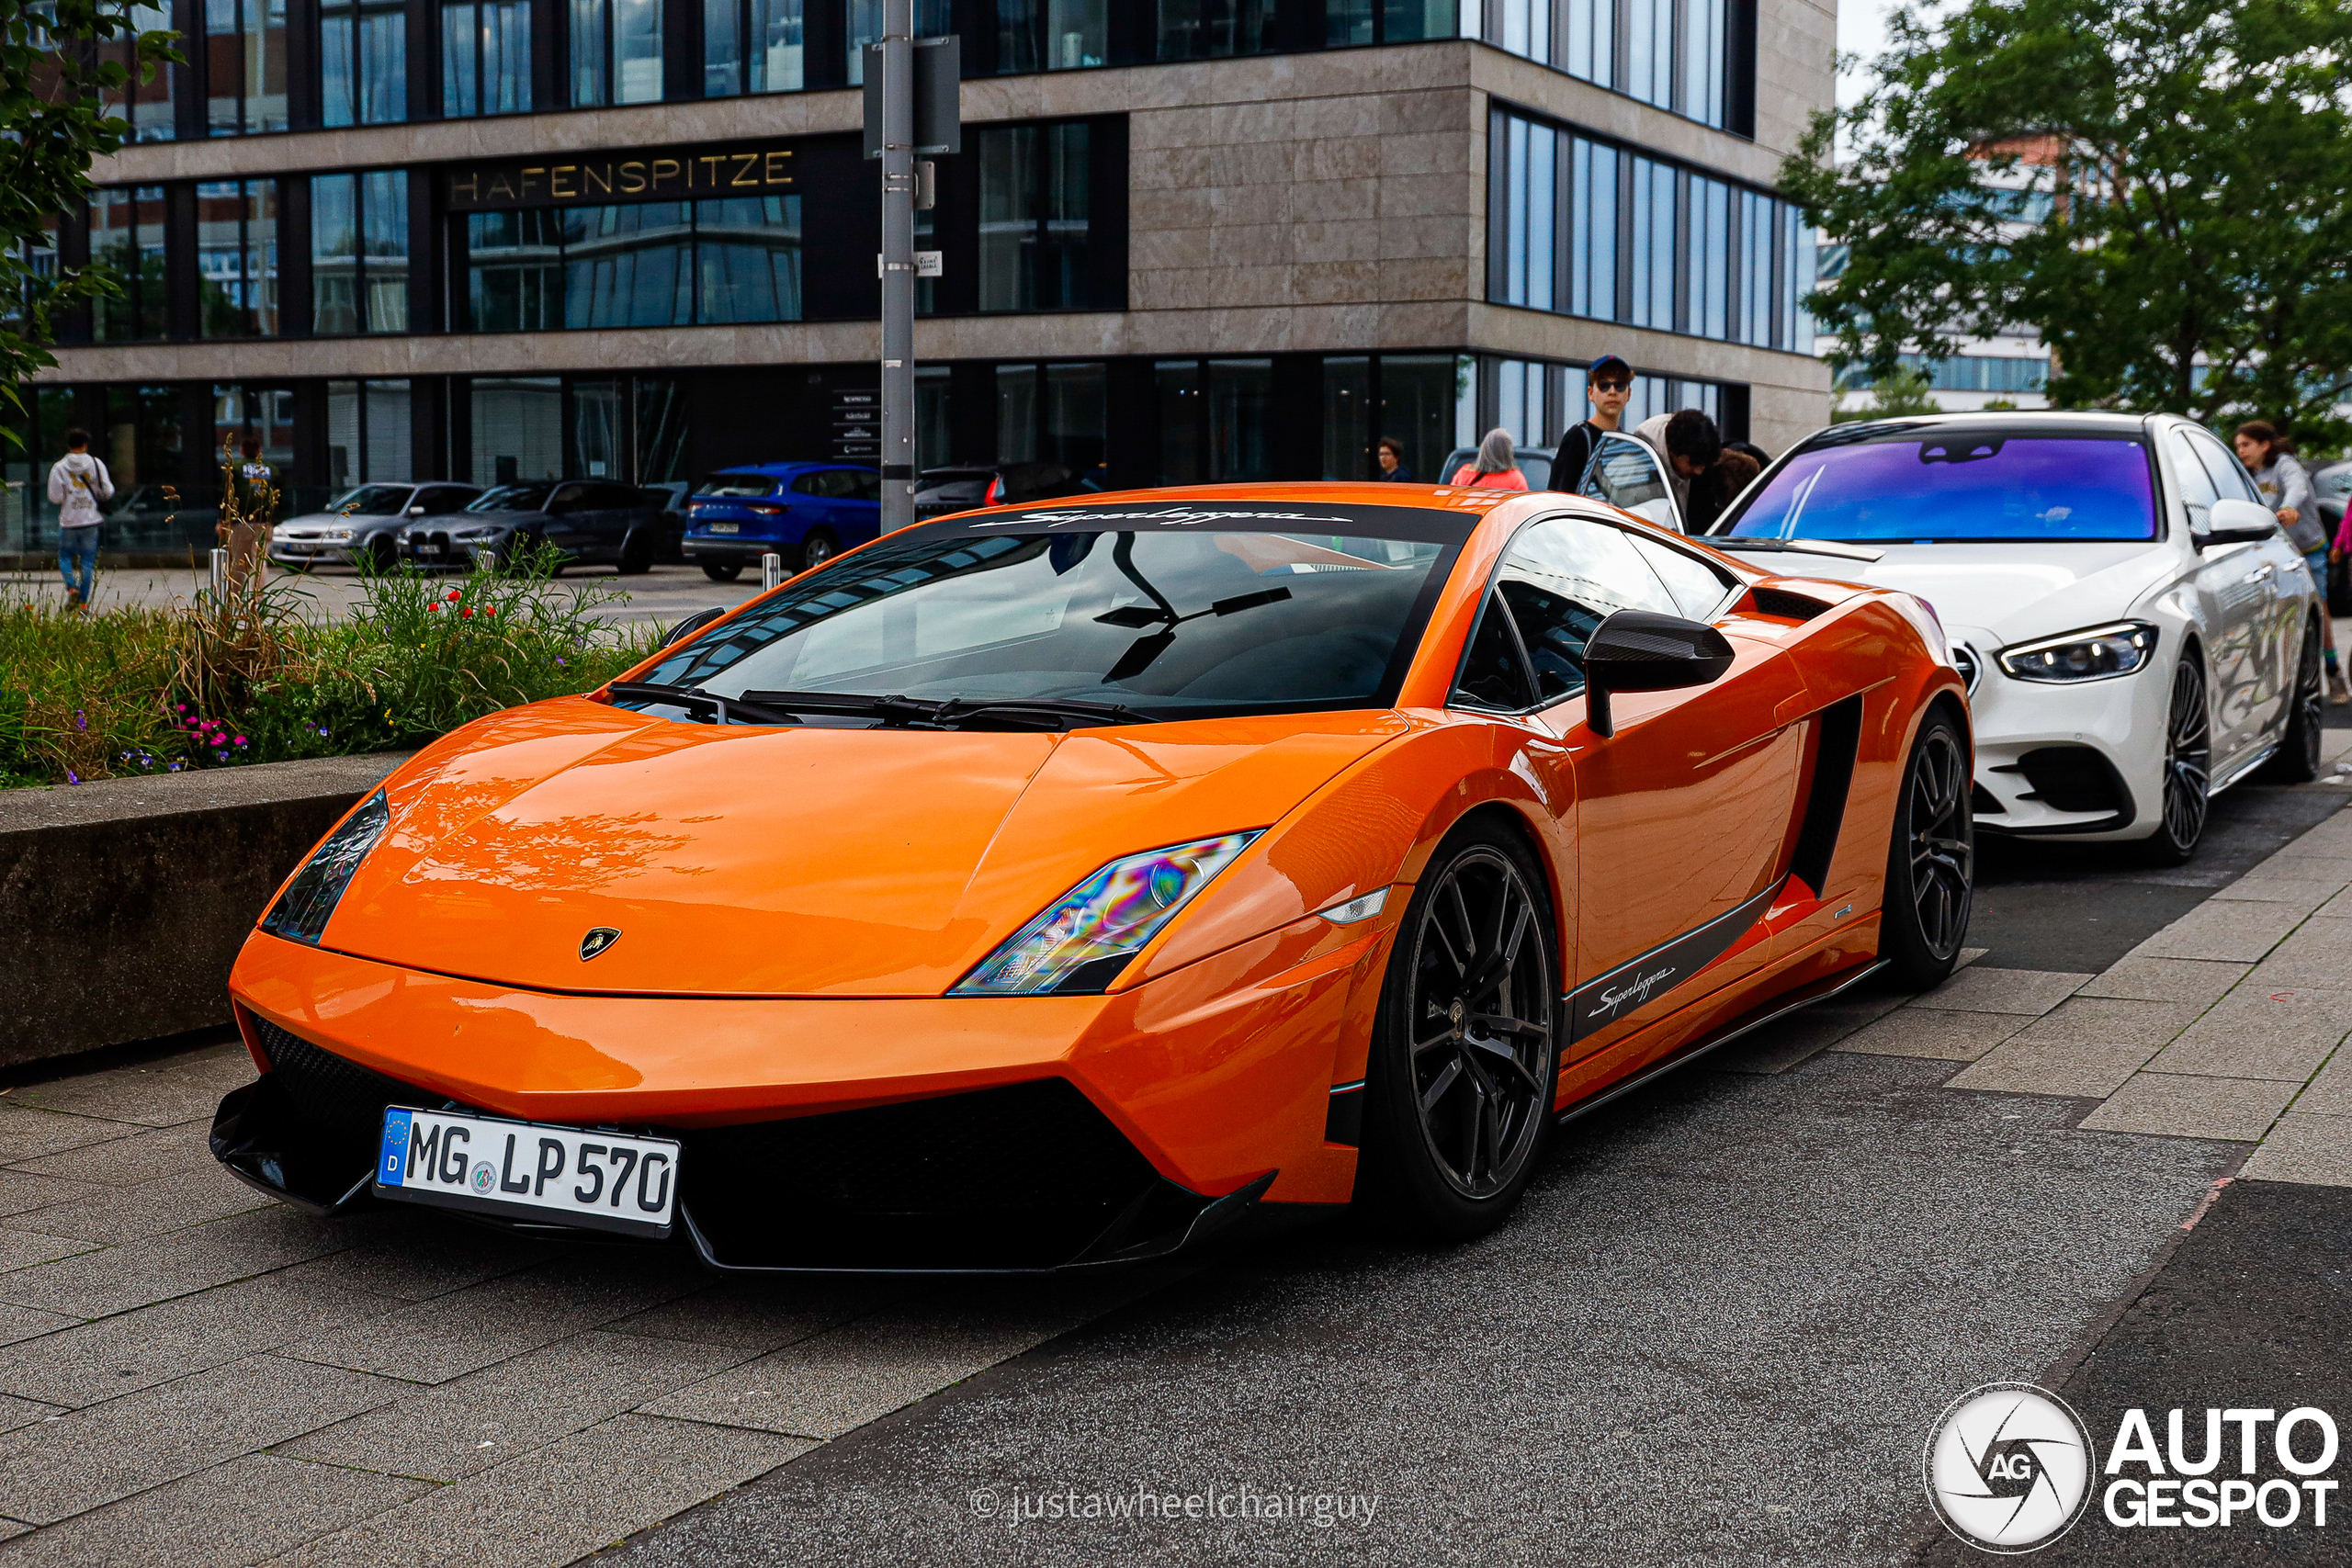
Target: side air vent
(1784, 605)
(1839, 727)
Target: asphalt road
(1717, 1333)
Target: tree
(1898, 392)
(61, 62)
(2161, 188)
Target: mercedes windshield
(1914, 485)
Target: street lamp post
(896, 60)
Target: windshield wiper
(950, 712)
(1794, 547)
(722, 710)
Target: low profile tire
(2297, 759)
(637, 555)
(1464, 1058)
(1931, 862)
(2188, 779)
(819, 547)
(719, 573)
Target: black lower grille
(309, 1127)
(1021, 1177)
(2074, 778)
(341, 1100)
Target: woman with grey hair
(1497, 467)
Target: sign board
(753, 169)
(939, 81)
(856, 433)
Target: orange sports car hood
(801, 862)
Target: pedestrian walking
(1608, 385)
(1497, 467)
(1689, 443)
(254, 494)
(1389, 453)
(77, 483)
(2286, 488)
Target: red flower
(490, 609)
(467, 610)
(455, 593)
(434, 606)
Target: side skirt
(1779, 1007)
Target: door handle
(2258, 574)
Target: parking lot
(1716, 1332)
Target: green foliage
(2194, 157)
(1901, 391)
(90, 697)
(58, 60)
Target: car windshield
(1957, 486)
(372, 500)
(514, 498)
(736, 485)
(1268, 609)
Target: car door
(1684, 813)
(1625, 473)
(2233, 588)
(2282, 644)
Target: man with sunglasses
(1608, 386)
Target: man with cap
(1608, 386)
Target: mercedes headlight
(2093, 654)
(300, 913)
(1084, 939)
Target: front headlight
(300, 913)
(1084, 939)
(337, 535)
(2093, 654)
(476, 533)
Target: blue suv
(804, 512)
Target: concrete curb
(123, 902)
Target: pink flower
(240, 741)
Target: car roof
(783, 471)
(2055, 421)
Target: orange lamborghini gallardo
(1060, 884)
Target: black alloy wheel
(1932, 860)
(381, 558)
(721, 573)
(2188, 762)
(636, 554)
(819, 547)
(1465, 1053)
(2297, 761)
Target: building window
(236, 259)
(1214, 420)
(1051, 413)
(517, 428)
(146, 104)
(359, 253)
(1051, 35)
(634, 264)
(753, 46)
(1035, 244)
(486, 57)
(127, 235)
(245, 66)
(368, 433)
(1212, 30)
(933, 19)
(362, 62)
(615, 51)
(1699, 255)
(1676, 54)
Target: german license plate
(430, 550)
(523, 1170)
(727, 527)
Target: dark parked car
(965, 486)
(587, 520)
(805, 512)
(363, 526)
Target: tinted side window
(809, 484)
(2230, 478)
(569, 497)
(1565, 576)
(1697, 587)
(1625, 473)
(864, 486)
(437, 503)
(1494, 674)
(2197, 492)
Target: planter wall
(123, 903)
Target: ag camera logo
(2008, 1468)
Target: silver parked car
(364, 524)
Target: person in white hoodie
(76, 485)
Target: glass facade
(1051, 35)
(245, 66)
(236, 259)
(368, 433)
(1427, 403)
(517, 428)
(615, 51)
(362, 62)
(634, 264)
(1676, 54)
(127, 237)
(1699, 255)
(148, 106)
(933, 19)
(753, 46)
(1034, 234)
(1209, 29)
(359, 253)
(485, 58)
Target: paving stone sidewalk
(193, 1375)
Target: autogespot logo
(2008, 1468)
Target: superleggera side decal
(1600, 1002)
